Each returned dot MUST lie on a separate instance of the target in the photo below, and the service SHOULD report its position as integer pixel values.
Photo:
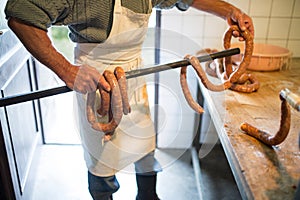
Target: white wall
(276, 22)
(176, 120)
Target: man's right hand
(84, 79)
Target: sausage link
(120, 75)
(241, 85)
(266, 137)
(202, 75)
(105, 102)
(187, 94)
(234, 75)
(107, 136)
(226, 44)
(116, 106)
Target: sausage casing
(120, 75)
(202, 75)
(266, 137)
(116, 106)
(105, 102)
(235, 75)
(187, 94)
(241, 85)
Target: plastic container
(265, 57)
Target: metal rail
(6, 101)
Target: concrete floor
(61, 175)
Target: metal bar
(159, 68)
(292, 98)
(6, 101)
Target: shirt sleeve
(182, 5)
(39, 13)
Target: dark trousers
(102, 188)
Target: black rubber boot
(146, 187)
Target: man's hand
(84, 79)
(227, 11)
(241, 19)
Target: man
(108, 33)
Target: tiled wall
(276, 22)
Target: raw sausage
(266, 137)
(235, 75)
(187, 94)
(116, 106)
(242, 86)
(202, 75)
(120, 75)
(113, 103)
(105, 102)
(105, 96)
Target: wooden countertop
(261, 172)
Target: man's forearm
(227, 11)
(83, 78)
(37, 42)
(219, 8)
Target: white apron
(135, 136)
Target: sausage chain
(187, 94)
(235, 75)
(235, 79)
(240, 81)
(238, 73)
(266, 137)
(105, 102)
(247, 88)
(113, 103)
(121, 77)
(202, 75)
